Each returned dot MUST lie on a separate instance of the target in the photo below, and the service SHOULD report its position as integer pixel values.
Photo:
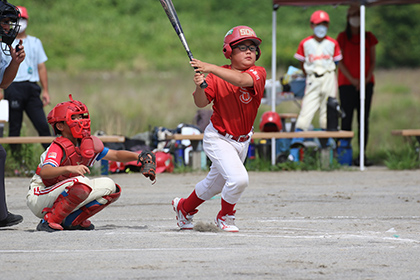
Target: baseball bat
(176, 24)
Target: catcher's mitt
(148, 165)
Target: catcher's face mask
(75, 114)
(9, 25)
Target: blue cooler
(298, 87)
(344, 152)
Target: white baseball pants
(40, 197)
(228, 174)
(317, 92)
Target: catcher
(59, 193)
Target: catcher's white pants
(40, 197)
(228, 174)
(317, 91)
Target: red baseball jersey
(318, 57)
(235, 108)
(351, 55)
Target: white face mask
(354, 21)
(23, 22)
(320, 31)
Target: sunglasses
(244, 48)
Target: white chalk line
(378, 236)
(111, 250)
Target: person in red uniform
(349, 75)
(235, 91)
(60, 193)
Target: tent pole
(362, 86)
(273, 78)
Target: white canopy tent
(363, 4)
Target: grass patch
(407, 157)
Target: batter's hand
(198, 79)
(201, 66)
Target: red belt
(240, 138)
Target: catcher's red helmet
(164, 162)
(237, 35)
(270, 122)
(64, 111)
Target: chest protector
(72, 155)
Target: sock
(227, 208)
(192, 202)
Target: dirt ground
(293, 225)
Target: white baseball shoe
(184, 219)
(226, 223)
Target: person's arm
(121, 155)
(200, 97)
(11, 70)
(43, 78)
(372, 64)
(354, 81)
(48, 171)
(234, 77)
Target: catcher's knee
(78, 192)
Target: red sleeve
(337, 52)
(54, 155)
(259, 75)
(300, 53)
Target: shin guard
(90, 209)
(66, 203)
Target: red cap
(319, 16)
(23, 12)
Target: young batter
(236, 91)
(318, 55)
(60, 193)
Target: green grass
(407, 157)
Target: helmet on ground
(9, 15)
(239, 34)
(164, 162)
(64, 111)
(270, 122)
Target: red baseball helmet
(270, 122)
(64, 111)
(319, 16)
(164, 162)
(237, 35)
